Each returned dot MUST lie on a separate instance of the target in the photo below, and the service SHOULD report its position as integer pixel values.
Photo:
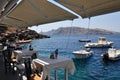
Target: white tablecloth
(49, 64)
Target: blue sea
(93, 68)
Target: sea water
(92, 68)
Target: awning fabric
(35, 12)
(89, 8)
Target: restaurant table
(54, 64)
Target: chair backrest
(28, 70)
(5, 56)
(10, 49)
(7, 53)
(34, 56)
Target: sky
(109, 21)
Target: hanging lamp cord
(88, 27)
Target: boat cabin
(102, 40)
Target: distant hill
(78, 30)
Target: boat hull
(112, 54)
(82, 55)
(95, 45)
(102, 42)
(23, 41)
(106, 57)
(84, 40)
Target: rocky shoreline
(13, 34)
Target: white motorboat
(81, 54)
(102, 42)
(23, 41)
(112, 54)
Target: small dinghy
(84, 40)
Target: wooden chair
(8, 61)
(36, 76)
(27, 70)
(38, 71)
(30, 73)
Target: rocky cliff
(12, 34)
